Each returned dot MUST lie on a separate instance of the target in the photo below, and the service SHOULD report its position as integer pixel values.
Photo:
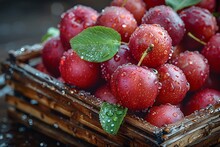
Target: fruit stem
(195, 38)
(124, 3)
(149, 49)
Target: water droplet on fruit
(117, 58)
(123, 74)
(175, 114)
(155, 71)
(205, 60)
(190, 62)
(124, 26)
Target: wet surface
(14, 134)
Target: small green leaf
(111, 117)
(180, 4)
(51, 32)
(96, 44)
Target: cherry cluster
(168, 64)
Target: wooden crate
(52, 107)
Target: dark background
(26, 21)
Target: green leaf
(51, 32)
(111, 117)
(180, 4)
(96, 44)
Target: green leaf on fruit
(96, 44)
(51, 32)
(180, 4)
(111, 117)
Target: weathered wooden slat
(71, 128)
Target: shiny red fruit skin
(167, 18)
(78, 72)
(195, 67)
(200, 22)
(143, 37)
(123, 56)
(201, 100)
(136, 7)
(164, 115)
(104, 93)
(212, 52)
(153, 3)
(120, 19)
(174, 84)
(75, 20)
(40, 66)
(51, 53)
(207, 4)
(134, 87)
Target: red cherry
(174, 85)
(78, 72)
(105, 94)
(195, 66)
(164, 115)
(122, 57)
(167, 18)
(136, 7)
(75, 20)
(146, 35)
(212, 52)
(119, 19)
(134, 87)
(51, 53)
(201, 100)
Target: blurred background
(26, 21)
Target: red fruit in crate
(122, 57)
(177, 50)
(207, 4)
(212, 52)
(75, 20)
(40, 66)
(201, 100)
(153, 3)
(134, 87)
(174, 85)
(78, 72)
(51, 53)
(201, 23)
(105, 94)
(164, 115)
(136, 7)
(119, 19)
(213, 82)
(167, 18)
(195, 67)
(151, 34)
